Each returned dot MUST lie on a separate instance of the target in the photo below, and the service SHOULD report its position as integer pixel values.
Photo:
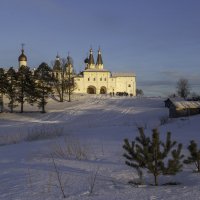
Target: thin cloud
(173, 75)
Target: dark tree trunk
(11, 108)
(43, 102)
(198, 165)
(155, 180)
(22, 107)
(22, 97)
(69, 87)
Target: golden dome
(22, 57)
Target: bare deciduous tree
(58, 177)
(64, 78)
(92, 180)
(183, 87)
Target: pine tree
(43, 76)
(2, 81)
(151, 154)
(11, 88)
(25, 86)
(3, 85)
(194, 157)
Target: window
(104, 79)
(129, 85)
(88, 79)
(100, 79)
(94, 79)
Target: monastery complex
(94, 79)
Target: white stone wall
(100, 79)
(97, 79)
(126, 84)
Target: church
(97, 80)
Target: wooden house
(184, 108)
(170, 101)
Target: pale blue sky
(159, 40)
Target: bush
(71, 148)
(7, 139)
(36, 133)
(44, 132)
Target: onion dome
(91, 58)
(22, 57)
(57, 64)
(86, 60)
(99, 58)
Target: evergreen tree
(3, 85)
(151, 154)
(43, 76)
(11, 88)
(2, 81)
(194, 157)
(25, 86)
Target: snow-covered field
(89, 151)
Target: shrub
(36, 133)
(44, 132)
(7, 139)
(71, 148)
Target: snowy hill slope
(94, 128)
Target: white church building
(97, 80)
(94, 79)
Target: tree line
(32, 86)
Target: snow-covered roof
(186, 104)
(123, 74)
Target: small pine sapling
(135, 153)
(151, 154)
(194, 155)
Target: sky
(158, 40)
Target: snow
(95, 125)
